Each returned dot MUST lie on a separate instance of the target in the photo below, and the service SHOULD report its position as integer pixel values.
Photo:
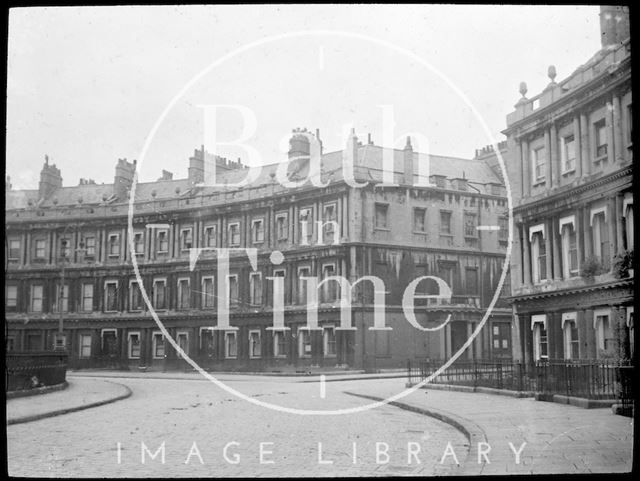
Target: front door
(501, 340)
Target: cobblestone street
(181, 412)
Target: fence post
(409, 371)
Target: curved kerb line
(275, 38)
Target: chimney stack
(614, 25)
(196, 166)
(123, 179)
(50, 179)
(408, 162)
(166, 175)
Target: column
(516, 338)
(28, 249)
(611, 225)
(557, 250)
(578, 143)
(549, 248)
(585, 232)
(618, 146)
(527, 256)
(555, 158)
(584, 145)
(526, 170)
(548, 164)
(447, 341)
(526, 338)
(619, 216)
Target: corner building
(570, 168)
(69, 249)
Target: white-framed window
(234, 234)
(627, 212)
(14, 249)
(255, 288)
(87, 297)
(62, 291)
(186, 239)
(210, 236)
(40, 248)
(208, 293)
(304, 342)
(111, 296)
(11, 298)
(230, 345)
(182, 338)
(306, 223)
(381, 216)
(419, 219)
(232, 289)
(85, 345)
(162, 241)
(113, 245)
(282, 226)
(303, 271)
(207, 341)
(445, 222)
(133, 345)
(538, 253)
(279, 344)
(158, 345)
(36, 298)
(600, 235)
(160, 293)
(90, 246)
(605, 340)
(255, 344)
(136, 303)
(538, 163)
(65, 247)
(257, 231)
(571, 336)
(184, 293)
(503, 231)
(329, 219)
(470, 224)
(569, 243)
(329, 288)
(568, 153)
(329, 341)
(540, 339)
(600, 136)
(138, 243)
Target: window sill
(136, 311)
(538, 182)
(444, 234)
(255, 357)
(383, 229)
(420, 232)
(597, 160)
(330, 356)
(231, 357)
(568, 172)
(162, 252)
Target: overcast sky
(86, 85)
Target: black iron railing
(29, 370)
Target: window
(569, 251)
(255, 289)
(36, 298)
(133, 345)
(304, 342)
(41, 245)
(302, 284)
(627, 209)
(207, 341)
(329, 288)
(138, 243)
(90, 245)
(600, 233)
(109, 341)
(183, 342)
(158, 345)
(114, 245)
(445, 222)
(600, 129)
(208, 293)
(14, 249)
(604, 332)
(160, 293)
(87, 297)
(419, 219)
(232, 289)
(254, 344)
(306, 224)
(184, 294)
(62, 294)
(162, 239)
(470, 225)
(111, 296)
(85, 345)
(282, 226)
(541, 346)
(210, 234)
(329, 219)
(571, 340)
(11, 299)
(230, 345)
(568, 153)
(538, 256)
(186, 239)
(65, 248)
(538, 161)
(471, 280)
(135, 297)
(329, 341)
(279, 344)
(381, 216)
(234, 234)
(503, 231)
(629, 124)
(257, 231)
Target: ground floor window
(279, 344)
(85, 345)
(605, 340)
(540, 340)
(254, 344)
(158, 345)
(329, 340)
(304, 342)
(133, 343)
(230, 345)
(207, 341)
(571, 337)
(109, 344)
(34, 342)
(183, 342)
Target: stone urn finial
(551, 72)
(523, 89)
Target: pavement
(517, 436)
